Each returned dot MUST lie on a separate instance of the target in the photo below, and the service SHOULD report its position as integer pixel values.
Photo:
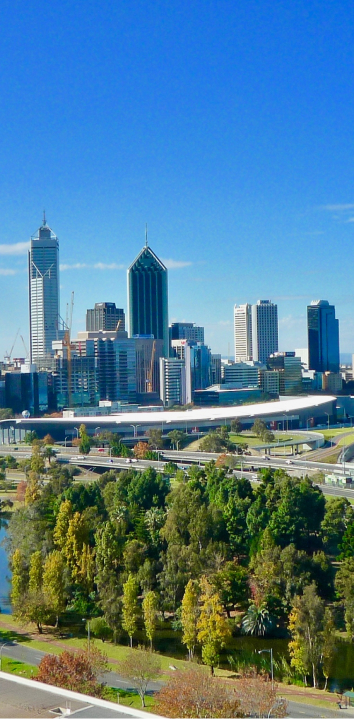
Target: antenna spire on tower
(146, 235)
(44, 220)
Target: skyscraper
(323, 336)
(148, 297)
(105, 316)
(264, 330)
(243, 332)
(43, 268)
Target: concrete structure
(105, 316)
(243, 333)
(264, 330)
(303, 353)
(225, 394)
(172, 381)
(44, 310)
(323, 337)
(186, 331)
(148, 298)
(269, 381)
(302, 411)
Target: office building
(44, 311)
(215, 369)
(26, 391)
(288, 366)
(186, 331)
(243, 333)
(148, 298)
(264, 330)
(105, 316)
(172, 381)
(323, 337)
(240, 374)
(197, 357)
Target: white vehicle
(80, 456)
(133, 460)
(128, 461)
(288, 461)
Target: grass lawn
(129, 699)
(329, 433)
(13, 666)
(331, 458)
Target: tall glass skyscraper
(148, 297)
(323, 336)
(43, 268)
(264, 330)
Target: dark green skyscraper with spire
(148, 297)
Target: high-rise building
(323, 336)
(148, 297)
(243, 333)
(186, 331)
(105, 316)
(43, 268)
(288, 367)
(197, 357)
(172, 381)
(264, 330)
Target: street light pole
(77, 432)
(260, 651)
(88, 634)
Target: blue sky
(228, 127)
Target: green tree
(150, 611)
(307, 627)
(232, 584)
(54, 584)
(212, 442)
(33, 488)
(19, 578)
(155, 440)
(130, 610)
(338, 514)
(257, 621)
(35, 572)
(85, 441)
(344, 584)
(259, 427)
(236, 426)
(190, 616)
(176, 438)
(37, 463)
(213, 629)
(30, 437)
(347, 545)
(33, 608)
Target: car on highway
(289, 461)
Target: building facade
(172, 381)
(105, 316)
(289, 369)
(243, 333)
(148, 298)
(197, 357)
(323, 337)
(44, 310)
(264, 330)
(186, 331)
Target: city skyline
(228, 128)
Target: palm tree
(257, 621)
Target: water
(5, 573)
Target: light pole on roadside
(68, 436)
(88, 633)
(77, 432)
(260, 651)
(328, 415)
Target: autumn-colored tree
(213, 629)
(87, 567)
(194, 693)
(189, 616)
(140, 667)
(62, 524)
(150, 609)
(33, 488)
(130, 610)
(140, 450)
(54, 583)
(35, 572)
(258, 698)
(77, 671)
(21, 491)
(48, 439)
(37, 463)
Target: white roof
(193, 416)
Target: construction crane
(118, 324)
(67, 342)
(24, 346)
(151, 370)
(8, 355)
